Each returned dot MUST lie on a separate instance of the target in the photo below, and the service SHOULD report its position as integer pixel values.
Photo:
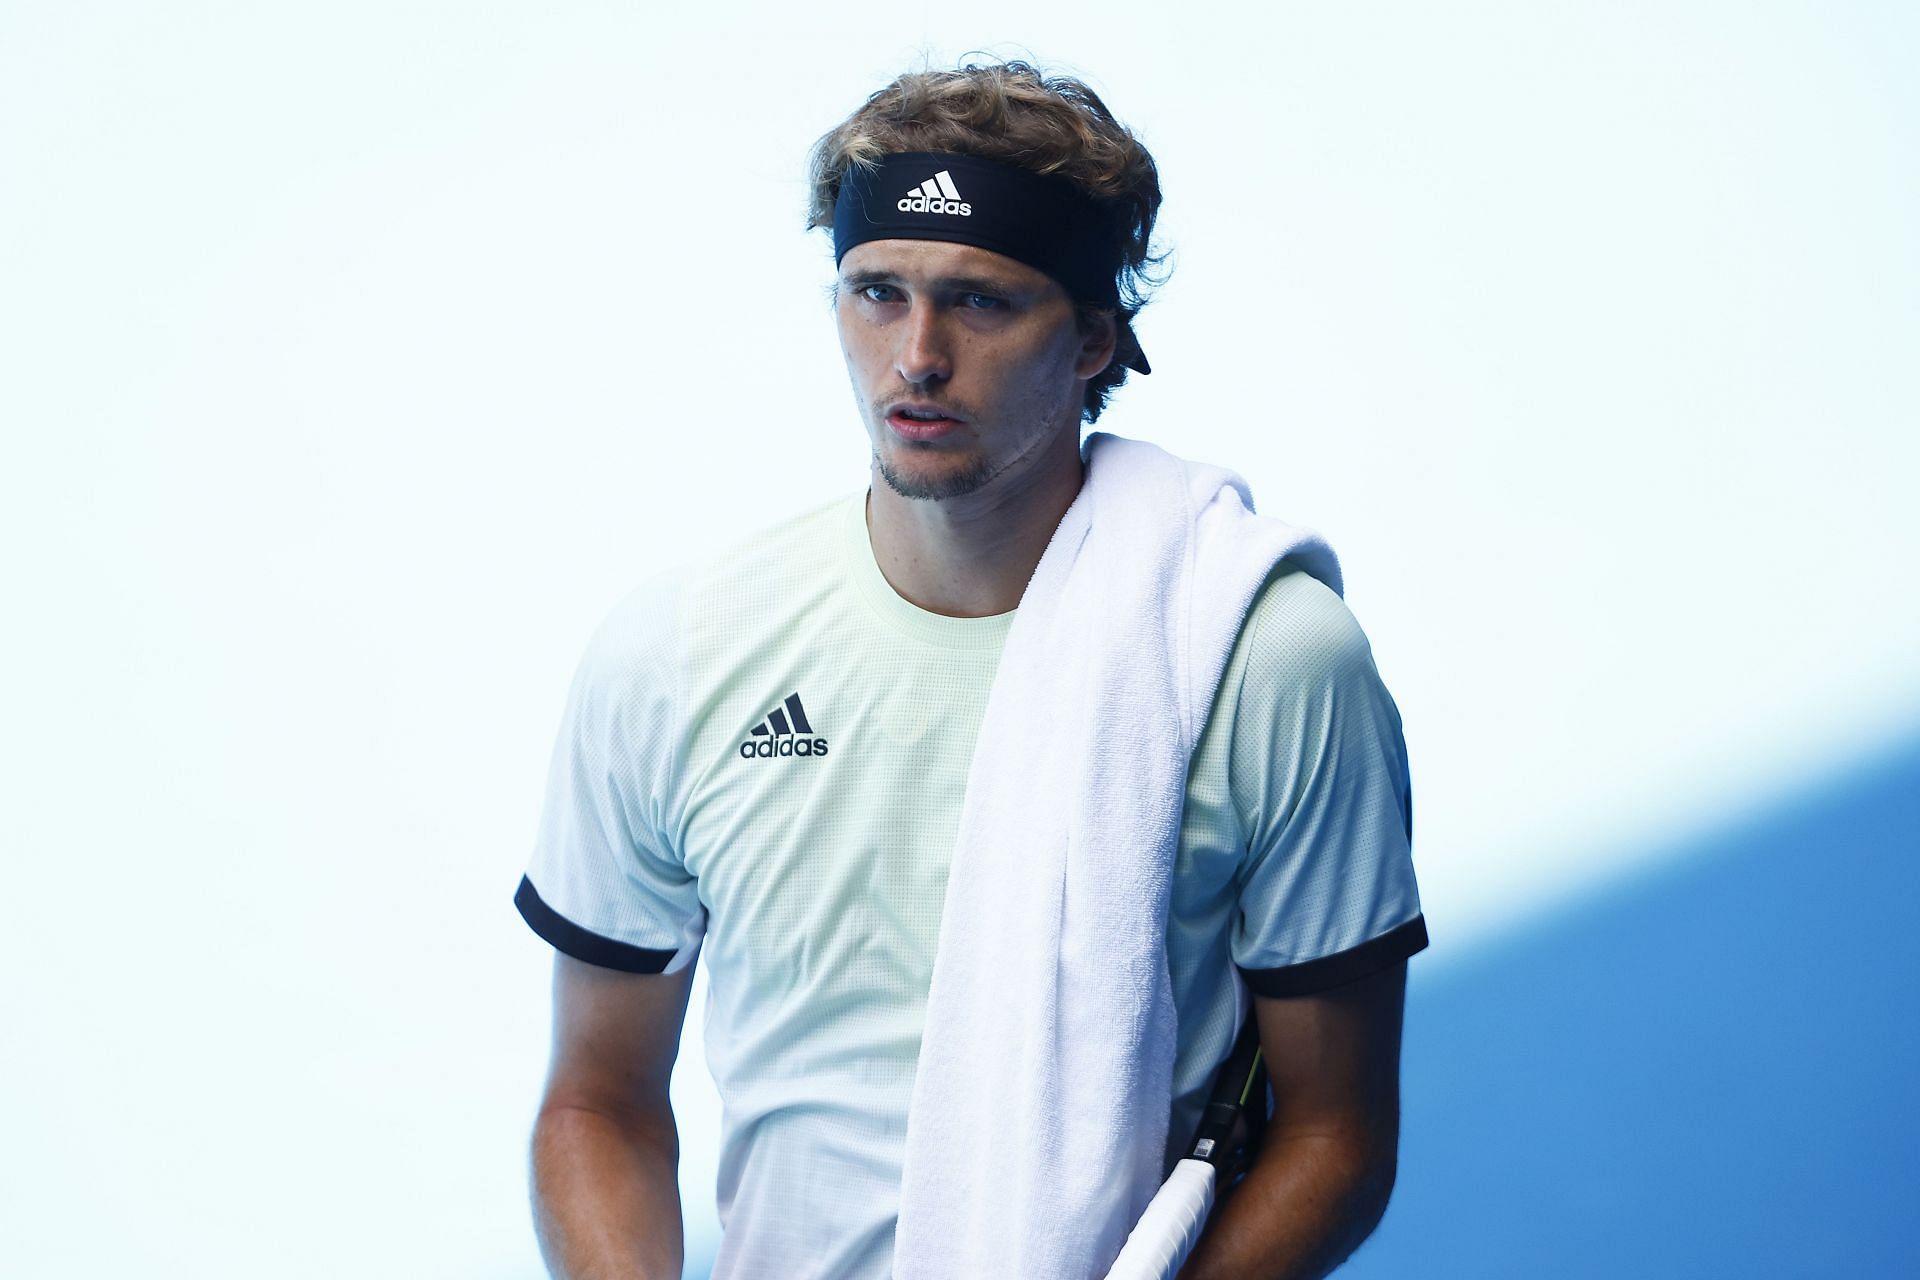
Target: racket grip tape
(1166, 1233)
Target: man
(766, 758)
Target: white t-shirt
(763, 762)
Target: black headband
(1040, 219)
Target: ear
(1098, 341)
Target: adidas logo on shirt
(784, 732)
(936, 195)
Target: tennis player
(765, 754)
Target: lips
(912, 420)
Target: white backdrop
(355, 357)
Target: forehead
(930, 261)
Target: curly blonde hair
(1014, 113)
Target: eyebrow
(961, 284)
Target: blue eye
(877, 292)
(982, 301)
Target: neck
(971, 557)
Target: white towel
(1038, 1126)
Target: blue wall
(1711, 1071)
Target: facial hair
(957, 484)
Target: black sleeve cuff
(582, 944)
(1310, 977)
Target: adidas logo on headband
(936, 195)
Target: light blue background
(355, 357)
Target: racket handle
(1166, 1233)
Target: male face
(968, 366)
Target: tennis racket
(1221, 1152)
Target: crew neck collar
(902, 614)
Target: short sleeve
(606, 883)
(1319, 773)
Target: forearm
(1306, 1205)
(606, 1194)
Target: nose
(923, 354)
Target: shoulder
(645, 632)
(798, 546)
(1301, 695)
(1299, 630)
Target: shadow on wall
(1713, 1070)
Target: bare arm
(1321, 1181)
(606, 1155)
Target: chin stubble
(956, 484)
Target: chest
(827, 779)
